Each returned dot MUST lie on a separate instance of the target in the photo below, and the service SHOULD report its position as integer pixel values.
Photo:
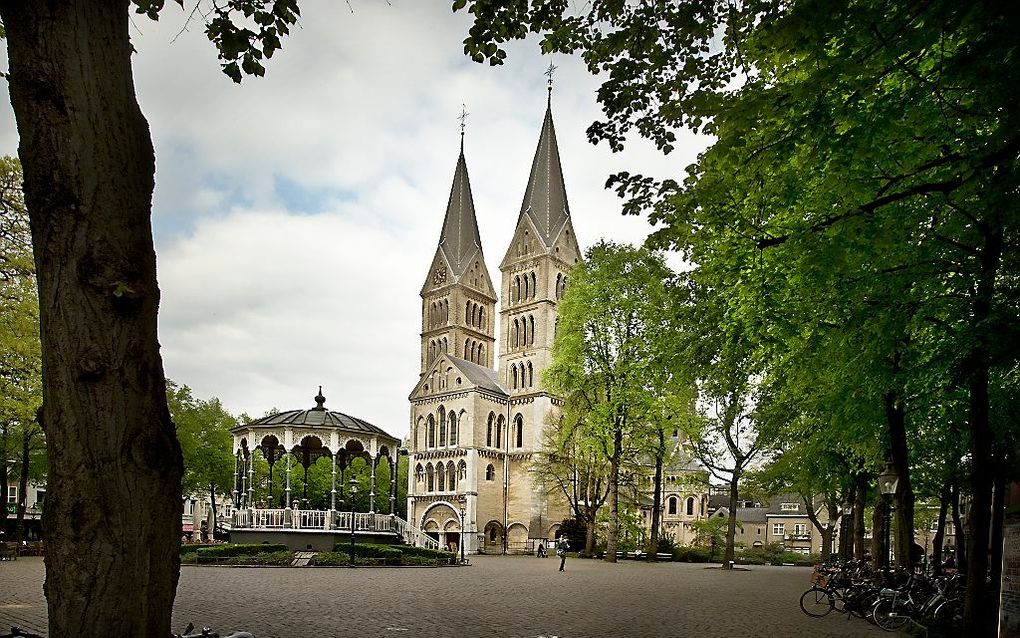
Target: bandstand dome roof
(315, 417)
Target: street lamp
(888, 480)
(463, 527)
(845, 525)
(354, 492)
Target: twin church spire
(459, 300)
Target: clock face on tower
(440, 275)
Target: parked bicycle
(925, 601)
(206, 633)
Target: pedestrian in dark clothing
(561, 550)
(541, 550)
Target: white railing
(318, 519)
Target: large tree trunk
(860, 503)
(998, 518)
(878, 523)
(940, 528)
(26, 448)
(113, 510)
(904, 497)
(653, 545)
(959, 537)
(589, 536)
(613, 534)
(731, 524)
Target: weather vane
(462, 118)
(549, 73)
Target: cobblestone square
(513, 597)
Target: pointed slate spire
(460, 240)
(545, 200)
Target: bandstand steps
(301, 559)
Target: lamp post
(844, 538)
(463, 527)
(888, 480)
(354, 492)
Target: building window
(12, 493)
(490, 473)
(671, 506)
(462, 471)
(430, 440)
(453, 429)
(441, 477)
(451, 476)
(519, 430)
(690, 506)
(500, 423)
(789, 507)
(800, 529)
(419, 473)
(778, 529)
(430, 485)
(488, 430)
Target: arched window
(419, 473)
(671, 505)
(527, 287)
(559, 278)
(534, 285)
(531, 376)
(531, 322)
(430, 440)
(481, 318)
(453, 429)
(446, 311)
(467, 310)
(524, 331)
(690, 506)
(517, 288)
(515, 334)
(466, 343)
(430, 479)
(490, 473)
(446, 346)
(488, 431)
(440, 477)
(462, 471)
(481, 354)
(513, 373)
(500, 423)
(519, 430)
(451, 476)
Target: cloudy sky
(296, 215)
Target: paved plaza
(515, 597)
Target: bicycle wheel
(816, 602)
(888, 615)
(949, 613)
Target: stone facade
(476, 427)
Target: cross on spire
(462, 117)
(549, 73)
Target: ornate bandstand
(303, 437)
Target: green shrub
(411, 561)
(284, 557)
(228, 550)
(693, 554)
(425, 552)
(331, 559)
(189, 559)
(191, 548)
(370, 550)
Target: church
(476, 421)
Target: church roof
(460, 241)
(545, 200)
(483, 377)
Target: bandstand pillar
(393, 483)
(371, 488)
(332, 491)
(251, 479)
(237, 491)
(287, 490)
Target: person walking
(541, 551)
(561, 550)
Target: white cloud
(296, 215)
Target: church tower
(458, 299)
(534, 271)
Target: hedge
(369, 550)
(191, 548)
(228, 550)
(425, 552)
(331, 559)
(273, 558)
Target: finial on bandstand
(320, 401)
